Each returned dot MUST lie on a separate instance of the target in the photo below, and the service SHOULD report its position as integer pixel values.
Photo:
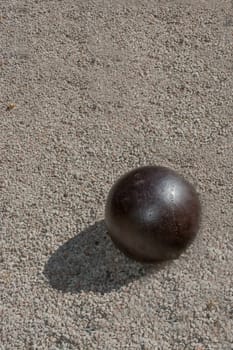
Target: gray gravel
(89, 90)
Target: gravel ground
(89, 90)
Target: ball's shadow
(90, 262)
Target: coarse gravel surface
(90, 89)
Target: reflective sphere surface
(152, 214)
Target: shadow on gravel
(90, 262)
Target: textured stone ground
(90, 89)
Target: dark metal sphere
(152, 214)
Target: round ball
(152, 214)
